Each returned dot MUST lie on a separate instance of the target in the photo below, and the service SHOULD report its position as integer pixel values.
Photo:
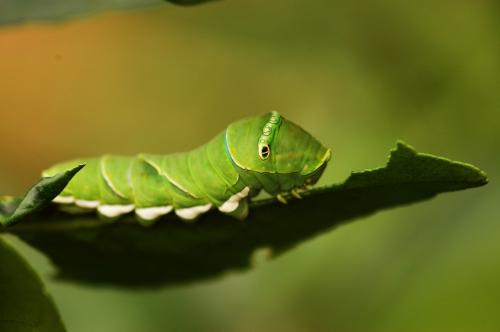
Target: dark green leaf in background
(187, 2)
(22, 11)
(25, 305)
(172, 252)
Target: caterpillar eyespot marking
(266, 152)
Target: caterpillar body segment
(266, 153)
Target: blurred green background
(358, 75)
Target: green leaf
(25, 305)
(16, 11)
(13, 210)
(171, 252)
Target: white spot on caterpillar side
(152, 213)
(192, 212)
(112, 211)
(232, 203)
(64, 199)
(87, 204)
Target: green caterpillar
(265, 152)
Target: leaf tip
(403, 147)
(78, 167)
(481, 176)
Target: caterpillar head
(273, 146)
